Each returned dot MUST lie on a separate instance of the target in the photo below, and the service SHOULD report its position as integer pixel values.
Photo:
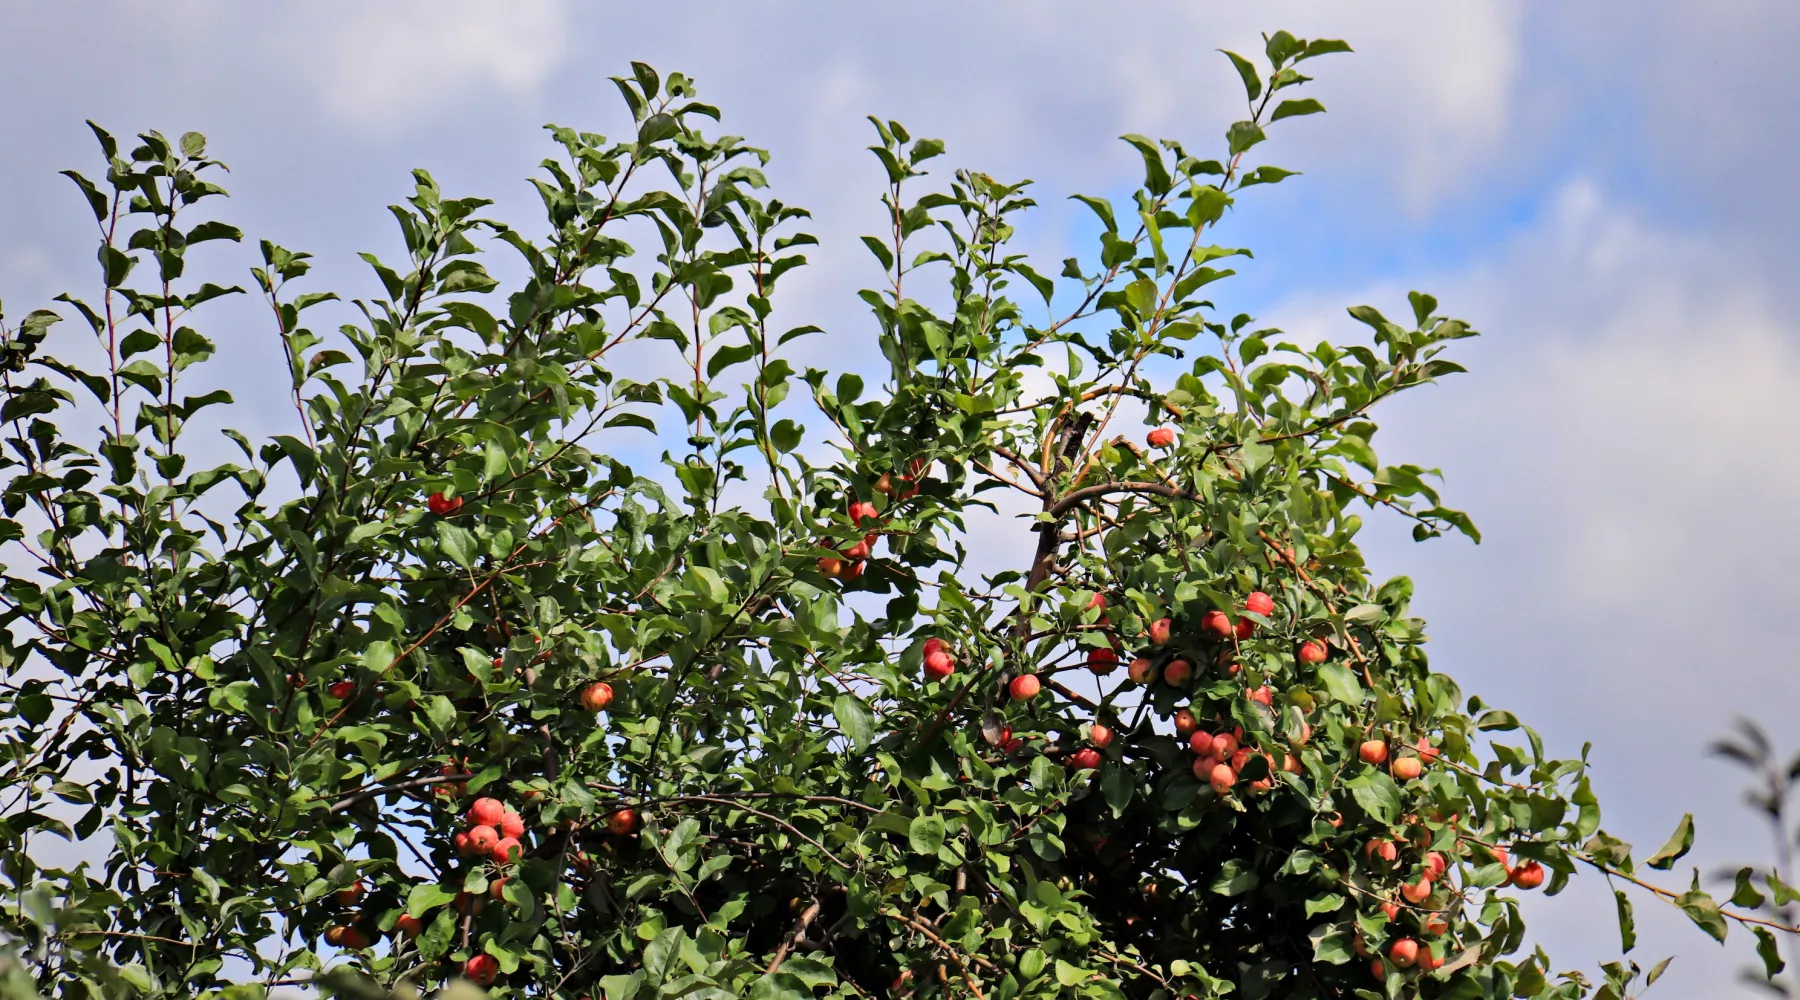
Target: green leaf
(1627, 925)
(427, 896)
(1071, 975)
(1767, 950)
(856, 721)
(1234, 879)
(1247, 72)
(1340, 683)
(1295, 108)
(1680, 842)
(926, 833)
(458, 543)
(1703, 911)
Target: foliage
(270, 688)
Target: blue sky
(1604, 189)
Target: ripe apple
(1264, 695)
(938, 664)
(1100, 735)
(622, 822)
(1245, 629)
(1391, 909)
(1435, 866)
(1373, 751)
(1142, 671)
(442, 506)
(1215, 624)
(596, 696)
(1436, 924)
(1377, 969)
(1177, 672)
(1416, 892)
(482, 840)
(1024, 687)
(1425, 749)
(352, 895)
(1087, 758)
(1529, 875)
(486, 811)
(1160, 437)
(1225, 744)
(1290, 763)
(861, 511)
(1404, 952)
(497, 888)
(1222, 777)
(481, 970)
(342, 690)
(1406, 768)
(460, 843)
(1259, 603)
(511, 825)
(829, 566)
(1430, 961)
(408, 925)
(1383, 849)
(1312, 652)
(1103, 661)
(1159, 631)
(858, 552)
(853, 572)
(1201, 743)
(1185, 723)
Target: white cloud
(1625, 439)
(376, 64)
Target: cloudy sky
(1604, 189)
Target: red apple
(1377, 969)
(485, 811)
(481, 970)
(1373, 751)
(1159, 631)
(861, 511)
(1160, 437)
(443, 506)
(1430, 961)
(342, 689)
(596, 696)
(1245, 629)
(1529, 875)
(1225, 744)
(853, 572)
(1203, 767)
(482, 840)
(466, 904)
(1259, 603)
(1436, 924)
(1201, 743)
(1024, 687)
(461, 843)
(1215, 624)
(352, 895)
(1425, 749)
(1312, 652)
(1404, 952)
(830, 565)
(1383, 849)
(1100, 735)
(1222, 777)
(1185, 723)
(1264, 695)
(1087, 758)
(497, 888)
(512, 825)
(1103, 661)
(408, 925)
(1142, 671)
(938, 664)
(1391, 909)
(1177, 672)
(1435, 866)
(1290, 763)
(622, 822)
(351, 938)
(1406, 768)
(1416, 892)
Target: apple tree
(578, 638)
